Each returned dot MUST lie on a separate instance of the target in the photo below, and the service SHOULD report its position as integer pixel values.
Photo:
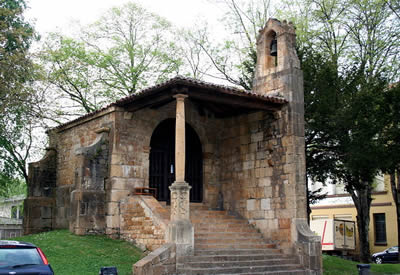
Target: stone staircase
(226, 244)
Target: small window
(14, 212)
(380, 228)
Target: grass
(70, 254)
(335, 265)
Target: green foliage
(18, 100)
(16, 36)
(333, 265)
(10, 187)
(126, 50)
(234, 56)
(72, 254)
(349, 51)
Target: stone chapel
(190, 170)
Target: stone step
(227, 235)
(284, 268)
(206, 222)
(230, 241)
(237, 252)
(236, 263)
(223, 225)
(224, 228)
(235, 257)
(232, 245)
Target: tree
(71, 71)
(17, 100)
(350, 56)
(391, 141)
(349, 51)
(234, 57)
(126, 50)
(191, 40)
(16, 36)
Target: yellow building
(339, 205)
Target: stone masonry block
(265, 204)
(284, 223)
(116, 171)
(112, 221)
(259, 136)
(112, 208)
(264, 181)
(117, 195)
(251, 205)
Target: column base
(182, 234)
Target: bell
(274, 48)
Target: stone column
(180, 138)
(180, 230)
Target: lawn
(69, 254)
(80, 255)
(335, 265)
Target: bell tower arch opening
(162, 161)
(271, 50)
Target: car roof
(15, 243)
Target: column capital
(180, 97)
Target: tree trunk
(362, 201)
(396, 198)
(308, 202)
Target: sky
(57, 15)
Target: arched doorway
(162, 161)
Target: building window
(380, 228)
(14, 212)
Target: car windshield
(19, 257)
(393, 249)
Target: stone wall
(69, 142)
(39, 206)
(88, 197)
(159, 262)
(255, 177)
(143, 222)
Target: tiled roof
(184, 81)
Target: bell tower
(276, 55)
(278, 74)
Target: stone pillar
(180, 230)
(180, 138)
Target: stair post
(180, 230)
